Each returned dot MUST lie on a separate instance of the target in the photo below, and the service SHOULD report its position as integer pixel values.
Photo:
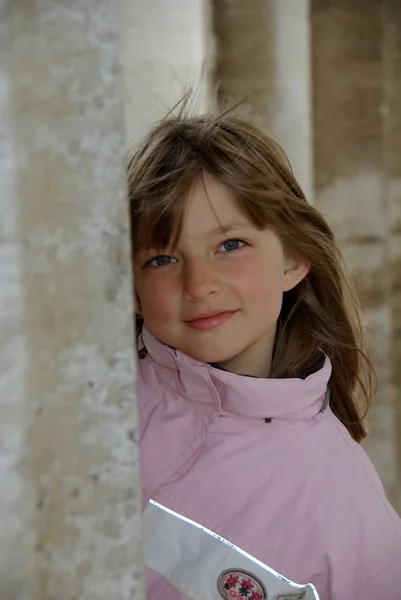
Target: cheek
(157, 298)
(259, 280)
(154, 308)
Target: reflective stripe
(192, 558)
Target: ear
(295, 270)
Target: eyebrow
(215, 231)
(229, 227)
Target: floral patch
(239, 585)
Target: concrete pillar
(392, 166)
(70, 501)
(167, 48)
(350, 179)
(263, 56)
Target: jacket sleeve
(365, 536)
(384, 583)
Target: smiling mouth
(211, 320)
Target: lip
(211, 320)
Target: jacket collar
(238, 394)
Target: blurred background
(325, 77)
(80, 82)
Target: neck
(255, 361)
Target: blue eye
(230, 245)
(161, 261)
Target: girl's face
(217, 296)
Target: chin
(210, 355)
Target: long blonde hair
(322, 312)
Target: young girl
(250, 358)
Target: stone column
(17, 497)
(263, 56)
(392, 153)
(70, 501)
(167, 48)
(350, 179)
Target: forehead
(211, 206)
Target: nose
(200, 280)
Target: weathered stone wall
(70, 501)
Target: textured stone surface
(17, 494)
(70, 481)
(263, 56)
(167, 48)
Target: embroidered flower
(246, 586)
(256, 596)
(231, 581)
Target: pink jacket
(253, 489)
